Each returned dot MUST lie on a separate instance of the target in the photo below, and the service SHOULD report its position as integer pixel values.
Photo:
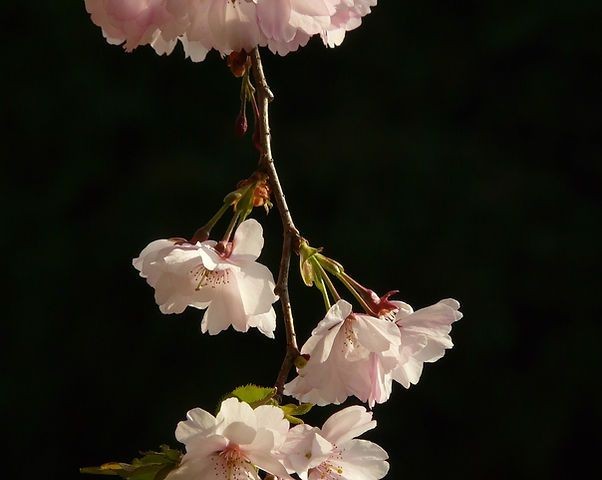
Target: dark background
(446, 149)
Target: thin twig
(291, 235)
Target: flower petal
(248, 242)
(363, 460)
(346, 424)
(256, 288)
(376, 334)
(198, 422)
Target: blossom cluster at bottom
(240, 441)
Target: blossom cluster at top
(239, 440)
(225, 25)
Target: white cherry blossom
(232, 444)
(234, 288)
(424, 337)
(333, 452)
(349, 354)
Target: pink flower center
(204, 278)
(232, 464)
(350, 340)
(328, 470)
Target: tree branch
(291, 235)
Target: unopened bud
(241, 125)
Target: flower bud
(241, 125)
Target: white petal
(198, 422)
(226, 309)
(256, 285)
(272, 418)
(269, 463)
(149, 253)
(327, 330)
(265, 322)
(408, 373)
(304, 448)
(248, 242)
(346, 424)
(232, 410)
(363, 460)
(376, 334)
(239, 433)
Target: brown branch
(291, 235)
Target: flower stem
(328, 283)
(203, 233)
(348, 282)
(230, 228)
(291, 237)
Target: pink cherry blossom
(333, 452)
(225, 25)
(424, 337)
(350, 354)
(232, 444)
(234, 288)
(348, 16)
(136, 22)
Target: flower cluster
(225, 25)
(240, 440)
(350, 353)
(361, 355)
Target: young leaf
(254, 395)
(151, 466)
(291, 411)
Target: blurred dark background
(446, 149)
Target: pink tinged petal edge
(273, 17)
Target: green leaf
(254, 395)
(150, 466)
(291, 411)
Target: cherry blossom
(349, 354)
(232, 444)
(333, 452)
(137, 22)
(234, 288)
(225, 25)
(424, 337)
